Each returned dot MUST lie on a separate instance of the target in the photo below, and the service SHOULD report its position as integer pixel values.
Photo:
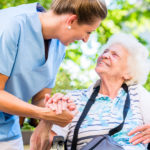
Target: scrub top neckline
(42, 41)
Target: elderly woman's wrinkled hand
(59, 102)
(142, 134)
(40, 139)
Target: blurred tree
(9, 3)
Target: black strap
(83, 115)
(125, 111)
(87, 108)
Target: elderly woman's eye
(105, 51)
(114, 55)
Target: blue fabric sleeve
(9, 37)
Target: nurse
(32, 47)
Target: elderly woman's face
(113, 62)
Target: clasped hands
(62, 111)
(59, 102)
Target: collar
(92, 87)
(96, 84)
(40, 8)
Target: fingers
(47, 96)
(65, 98)
(50, 106)
(56, 97)
(71, 106)
(59, 107)
(136, 137)
(140, 140)
(146, 141)
(55, 105)
(138, 129)
(59, 96)
(64, 105)
(142, 134)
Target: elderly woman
(124, 60)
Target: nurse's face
(78, 32)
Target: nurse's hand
(40, 139)
(142, 134)
(61, 119)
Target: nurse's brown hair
(87, 11)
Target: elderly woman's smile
(113, 62)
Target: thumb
(47, 96)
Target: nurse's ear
(71, 19)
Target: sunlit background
(77, 70)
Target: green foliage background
(126, 15)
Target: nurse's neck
(52, 24)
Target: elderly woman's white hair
(138, 62)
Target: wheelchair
(58, 143)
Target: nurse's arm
(13, 105)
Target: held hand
(142, 134)
(59, 102)
(58, 96)
(57, 109)
(40, 139)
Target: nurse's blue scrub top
(22, 58)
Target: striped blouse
(105, 114)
